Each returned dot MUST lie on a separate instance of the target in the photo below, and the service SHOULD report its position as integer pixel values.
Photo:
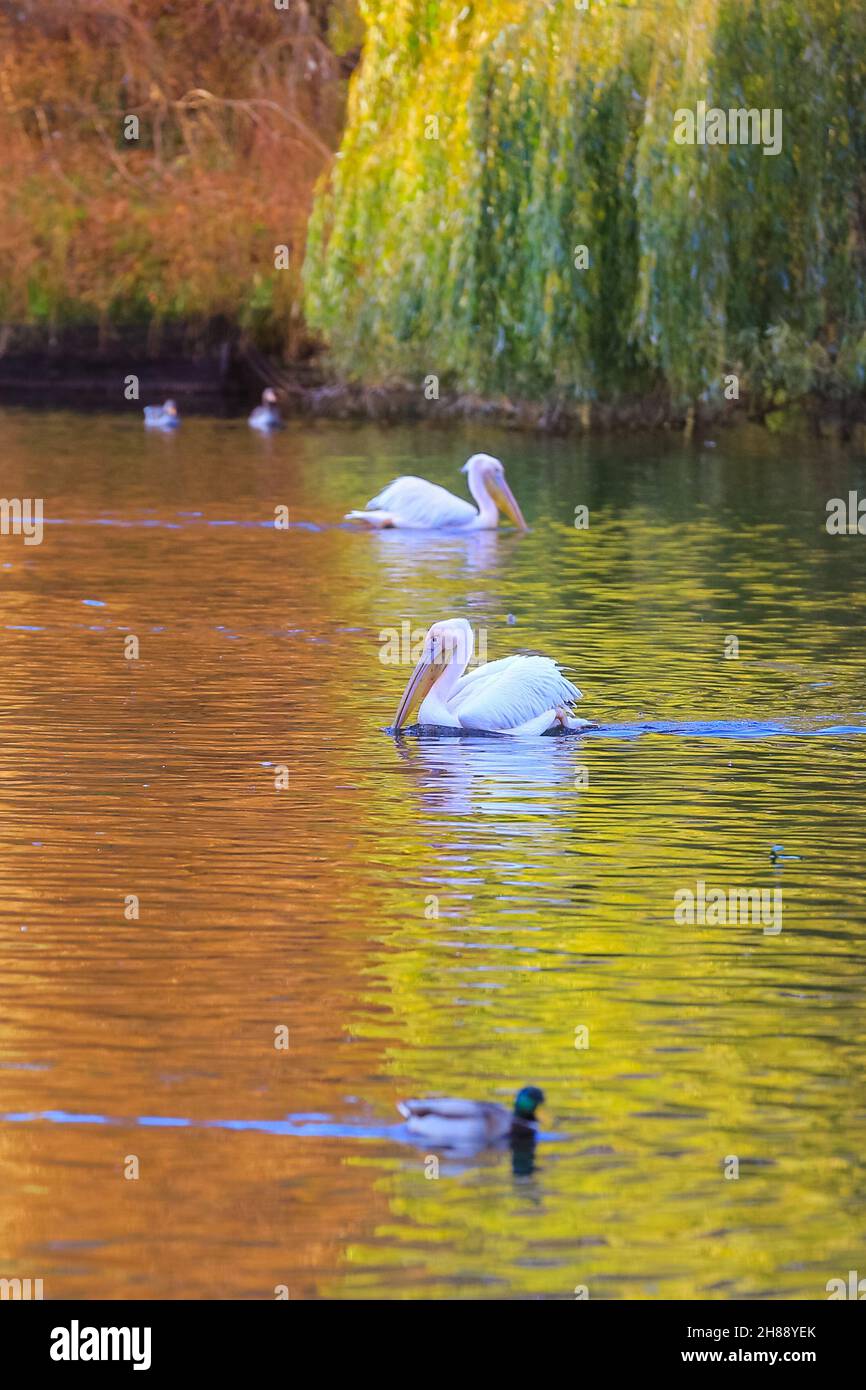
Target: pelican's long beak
(422, 679)
(505, 498)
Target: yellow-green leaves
(487, 142)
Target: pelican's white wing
(507, 693)
(413, 502)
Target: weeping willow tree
(489, 142)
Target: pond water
(460, 916)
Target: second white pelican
(414, 504)
(515, 695)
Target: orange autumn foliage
(238, 107)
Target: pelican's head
(269, 396)
(170, 408)
(447, 642)
(489, 473)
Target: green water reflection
(427, 916)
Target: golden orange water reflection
(422, 915)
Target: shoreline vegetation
(225, 379)
(153, 156)
(486, 210)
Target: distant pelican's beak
(505, 498)
(422, 679)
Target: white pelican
(267, 415)
(515, 695)
(161, 417)
(454, 1123)
(416, 505)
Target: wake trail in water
(293, 1126)
(683, 728)
(318, 1126)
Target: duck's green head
(527, 1101)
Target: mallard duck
(463, 1123)
(266, 416)
(161, 417)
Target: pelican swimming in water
(414, 504)
(516, 695)
(266, 416)
(161, 417)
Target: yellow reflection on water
(425, 916)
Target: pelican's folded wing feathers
(421, 504)
(507, 693)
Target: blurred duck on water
(413, 504)
(451, 1123)
(266, 416)
(161, 417)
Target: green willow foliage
(555, 129)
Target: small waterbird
(777, 854)
(414, 504)
(517, 695)
(266, 416)
(468, 1123)
(161, 417)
